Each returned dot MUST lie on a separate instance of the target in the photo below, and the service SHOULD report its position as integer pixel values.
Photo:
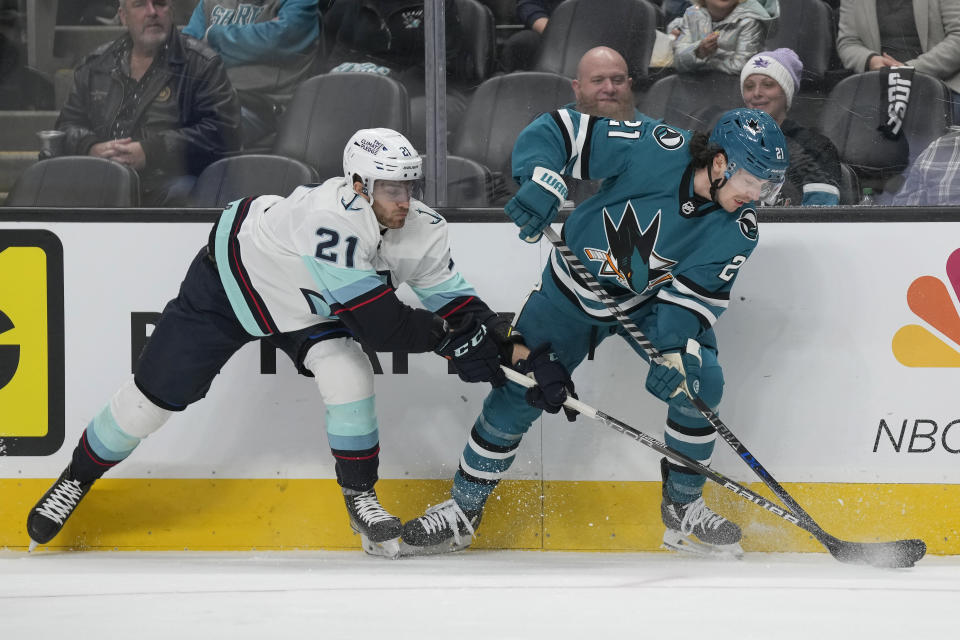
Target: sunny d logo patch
(916, 346)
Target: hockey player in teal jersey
(666, 236)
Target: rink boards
(840, 353)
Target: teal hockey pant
(497, 432)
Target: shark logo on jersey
(687, 208)
(631, 258)
(667, 137)
(748, 224)
(436, 217)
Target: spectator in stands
(933, 179)
(924, 34)
(268, 47)
(21, 88)
(154, 100)
(519, 50)
(387, 37)
(768, 82)
(721, 35)
(603, 86)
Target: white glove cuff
(551, 181)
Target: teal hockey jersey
(652, 243)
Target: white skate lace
(445, 515)
(61, 501)
(698, 512)
(369, 509)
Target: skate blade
(447, 546)
(386, 549)
(33, 545)
(676, 541)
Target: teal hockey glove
(536, 203)
(678, 377)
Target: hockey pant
(195, 337)
(505, 417)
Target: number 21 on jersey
(329, 247)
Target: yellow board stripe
(174, 514)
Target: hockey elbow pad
(536, 203)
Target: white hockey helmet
(380, 154)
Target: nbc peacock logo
(916, 345)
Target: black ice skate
(379, 530)
(695, 528)
(445, 527)
(49, 514)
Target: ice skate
(48, 516)
(444, 528)
(695, 528)
(379, 530)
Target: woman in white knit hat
(768, 81)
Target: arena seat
(692, 100)
(76, 181)
(576, 26)
(853, 111)
(232, 178)
(327, 109)
(497, 112)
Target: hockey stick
(898, 553)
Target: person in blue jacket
(268, 47)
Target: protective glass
(397, 190)
(758, 190)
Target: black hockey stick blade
(897, 554)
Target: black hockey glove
(553, 382)
(474, 352)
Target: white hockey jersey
(290, 263)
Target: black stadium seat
(692, 100)
(327, 109)
(576, 26)
(232, 178)
(501, 107)
(76, 181)
(853, 111)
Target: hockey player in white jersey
(313, 274)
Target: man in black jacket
(154, 100)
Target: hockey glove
(678, 376)
(553, 382)
(536, 203)
(473, 352)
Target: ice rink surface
(495, 595)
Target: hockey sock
(355, 442)
(102, 445)
(357, 470)
(697, 442)
(482, 464)
(115, 432)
